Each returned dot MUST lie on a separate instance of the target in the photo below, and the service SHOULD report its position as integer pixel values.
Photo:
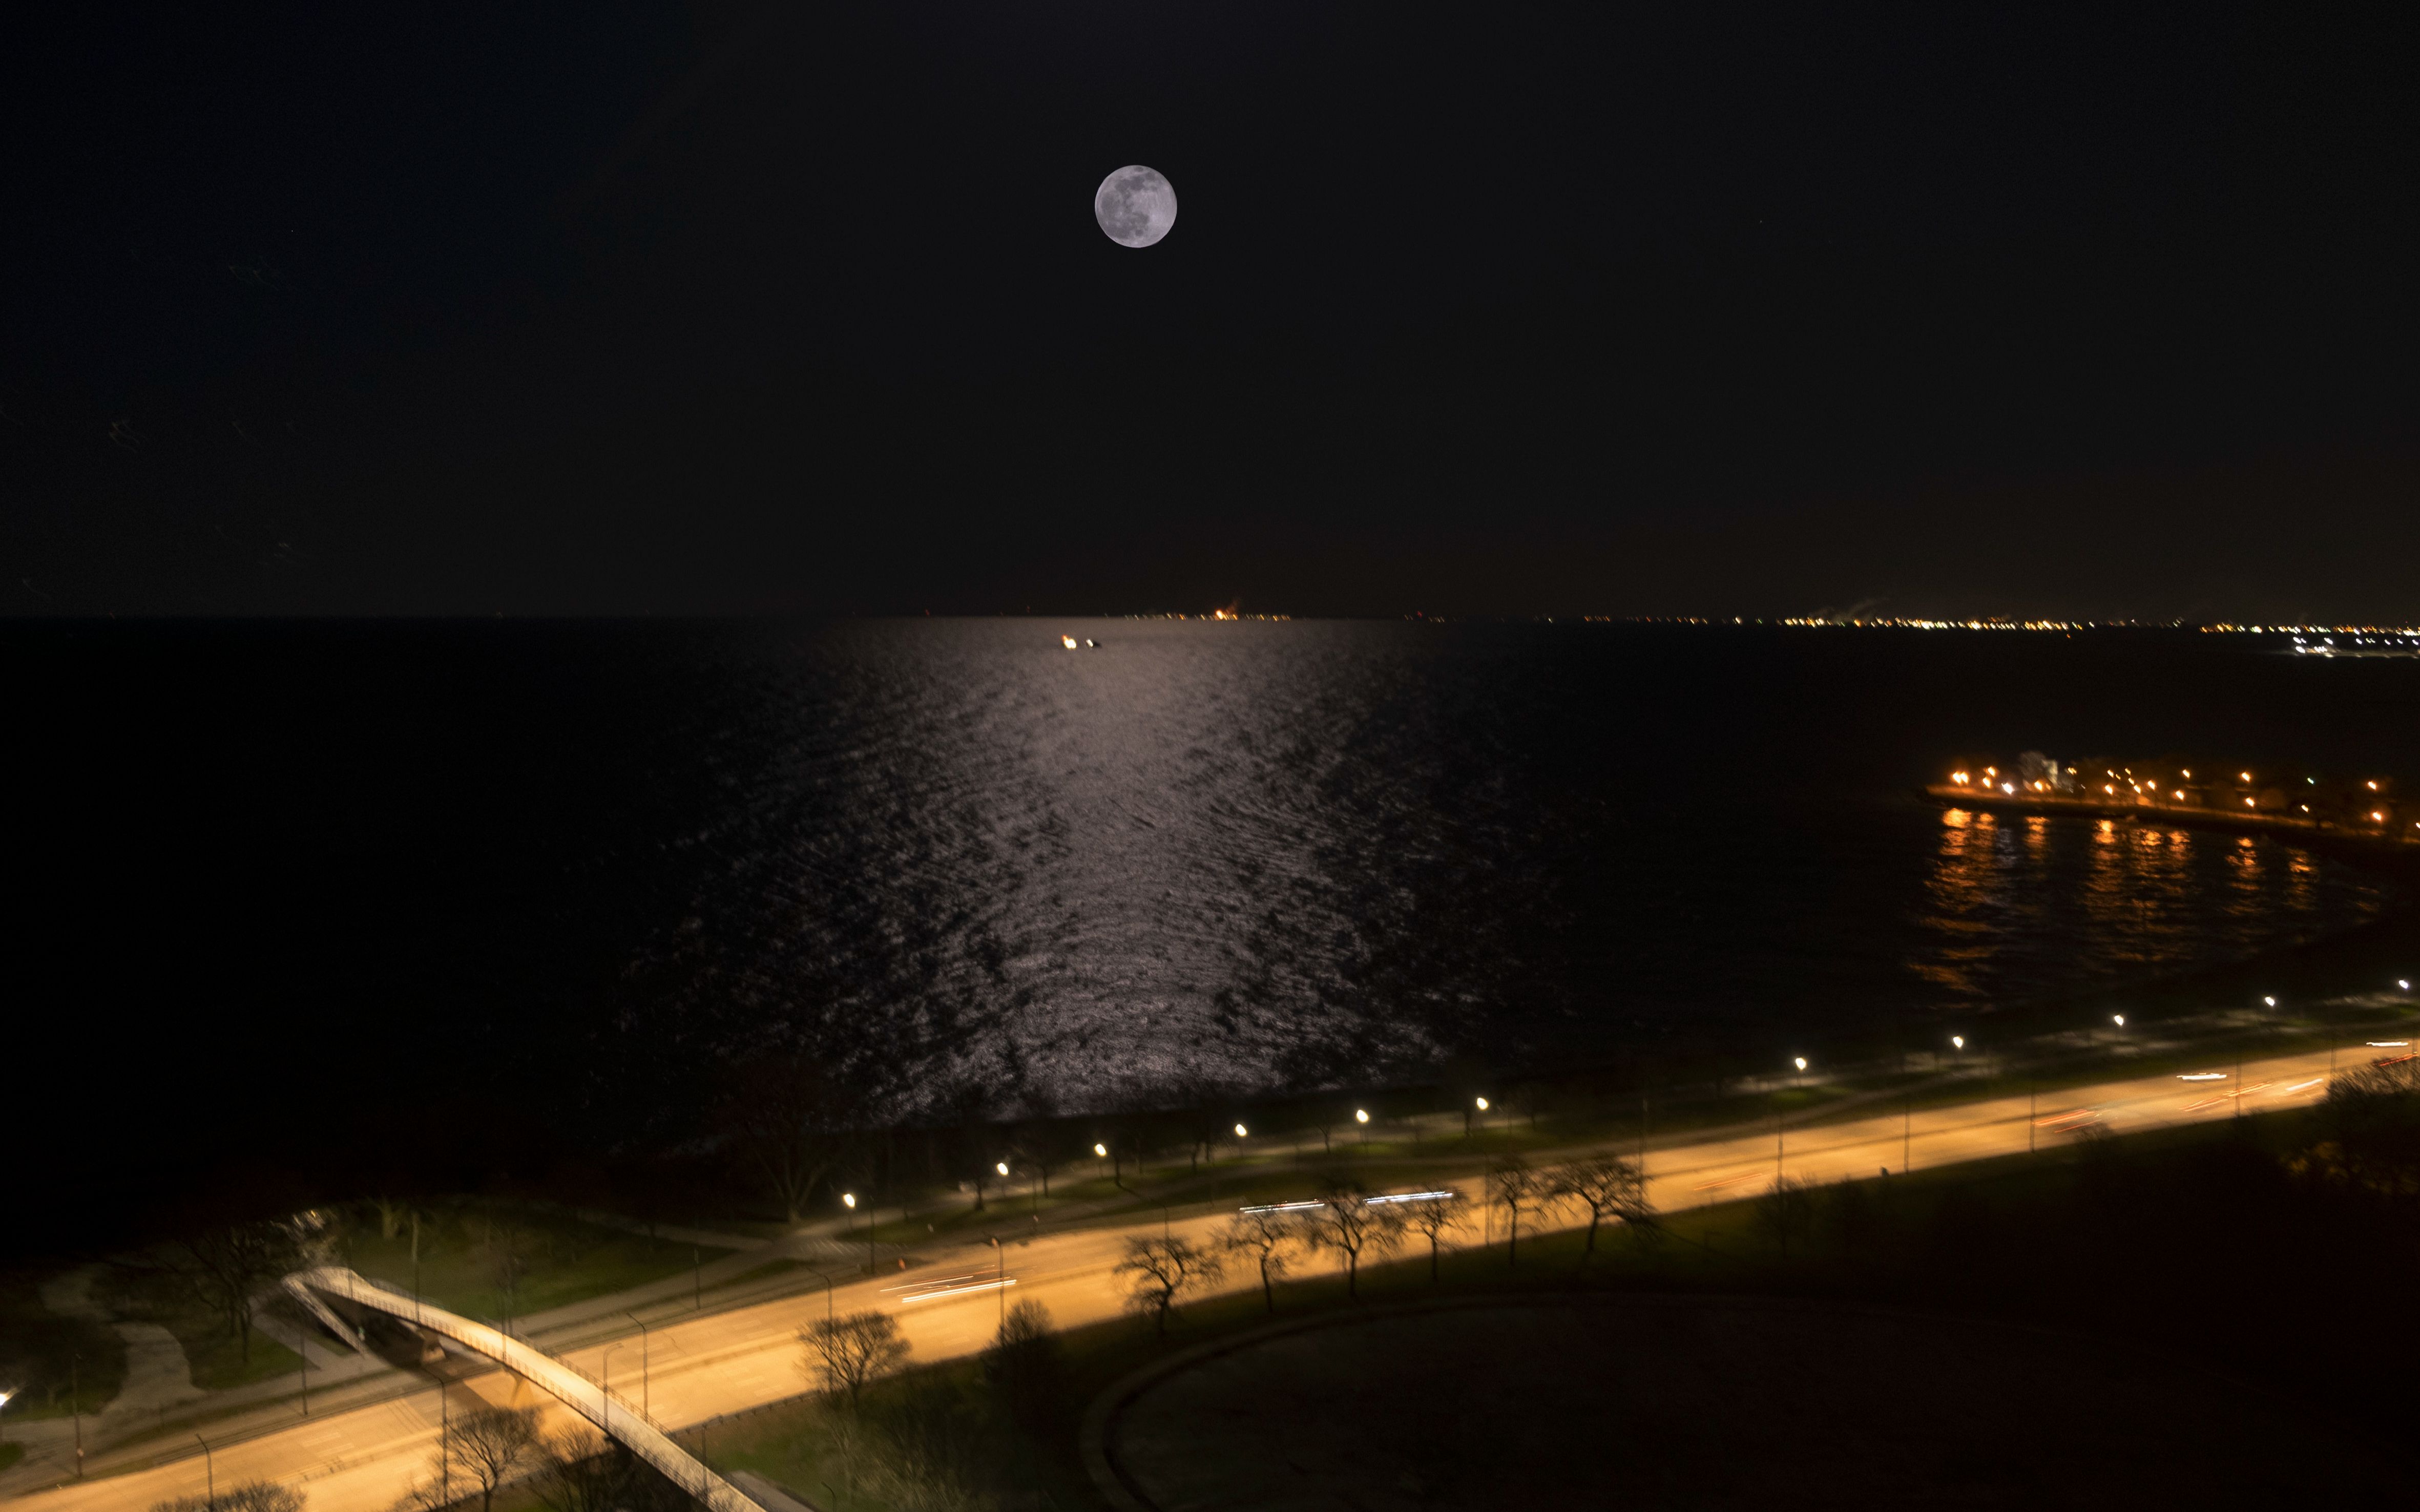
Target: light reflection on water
(2079, 900)
(1287, 854)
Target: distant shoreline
(2313, 834)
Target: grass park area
(2270, 1254)
(498, 1261)
(54, 1365)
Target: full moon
(1135, 205)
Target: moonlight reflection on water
(1258, 856)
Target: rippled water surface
(1254, 855)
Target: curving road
(361, 1459)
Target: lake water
(276, 866)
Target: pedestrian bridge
(617, 1420)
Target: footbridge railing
(616, 1420)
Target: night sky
(629, 308)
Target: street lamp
(646, 1370)
(605, 1387)
(1958, 1042)
(2119, 1019)
(1482, 1101)
(4, 1407)
(1241, 1131)
(2403, 983)
(1102, 1151)
(1361, 1115)
(1800, 1061)
(849, 1200)
(2271, 1001)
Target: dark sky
(622, 307)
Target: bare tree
(1786, 1211)
(1346, 1221)
(510, 1249)
(1025, 1363)
(1270, 1239)
(251, 1496)
(490, 1446)
(852, 1351)
(221, 1268)
(1606, 1185)
(1517, 1185)
(1155, 1271)
(1435, 1218)
(789, 1115)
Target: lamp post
(4, 1407)
(646, 1370)
(826, 1279)
(209, 1473)
(849, 1200)
(1361, 1117)
(605, 1385)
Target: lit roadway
(362, 1458)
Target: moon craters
(1135, 205)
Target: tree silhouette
(1270, 1239)
(1516, 1185)
(1435, 1217)
(1347, 1223)
(852, 1350)
(1155, 1271)
(1608, 1186)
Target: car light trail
(961, 1291)
(931, 1281)
(1407, 1196)
(2203, 1077)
